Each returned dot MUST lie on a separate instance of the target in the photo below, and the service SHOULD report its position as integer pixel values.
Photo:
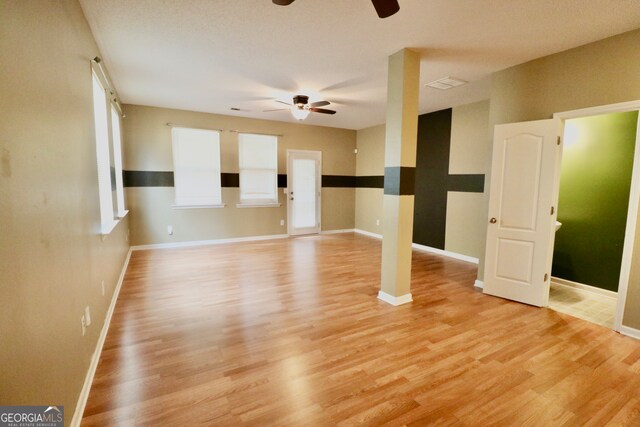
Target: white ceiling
(211, 55)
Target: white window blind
(196, 163)
(117, 161)
(258, 155)
(101, 119)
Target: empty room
(298, 212)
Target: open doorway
(525, 184)
(593, 209)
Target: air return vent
(446, 83)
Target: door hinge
(546, 276)
(559, 140)
(552, 210)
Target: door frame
(319, 195)
(634, 200)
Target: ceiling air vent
(446, 83)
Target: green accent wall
(595, 180)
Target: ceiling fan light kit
(300, 108)
(384, 8)
(299, 113)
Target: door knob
(493, 220)
(291, 198)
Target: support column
(399, 176)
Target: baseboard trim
(193, 243)
(582, 286)
(95, 358)
(424, 248)
(367, 233)
(449, 254)
(346, 230)
(396, 301)
(630, 332)
(479, 284)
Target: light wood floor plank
(290, 332)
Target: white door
(522, 210)
(303, 191)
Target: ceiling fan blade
(384, 8)
(283, 2)
(277, 109)
(319, 104)
(321, 110)
(282, 102)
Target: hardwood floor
(290, 332)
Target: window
(258, 156)
(117, 161)
(108, 156)
(196, 165)
(101, 119)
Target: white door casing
(522, 210)
(304, 174)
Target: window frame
(253, 203)
(175, 142)
(108, 150)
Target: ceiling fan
(300, 108)
(384, 8)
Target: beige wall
(148, 148)
(470, 154)
(52, 259)
(370, 162)
(600, 73)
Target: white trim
(424, 248)
(396, 301)
(583, 287)
(192, 243)
(346, 230)
(634, 196)
(601, 109)
(317, 156)
(367, 233)
(95, 358)
(479, 284)
(630, 332)
(449, 254)
(629, 234)
(198, 206)
(258, 205)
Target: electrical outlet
(103, 292)
(87, 316)
(377, 222)
(170, 230)
(84, 325)
(282, 222)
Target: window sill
(198, 206)
(123, 214)
(258, 205)
(106, 229)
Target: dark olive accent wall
(433, 181)
(165, 179)
(595, 181)
(338, 181)
(370, 181)
(147, 179)
(399, 181)
(432, 170)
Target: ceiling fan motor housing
(300, 100)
